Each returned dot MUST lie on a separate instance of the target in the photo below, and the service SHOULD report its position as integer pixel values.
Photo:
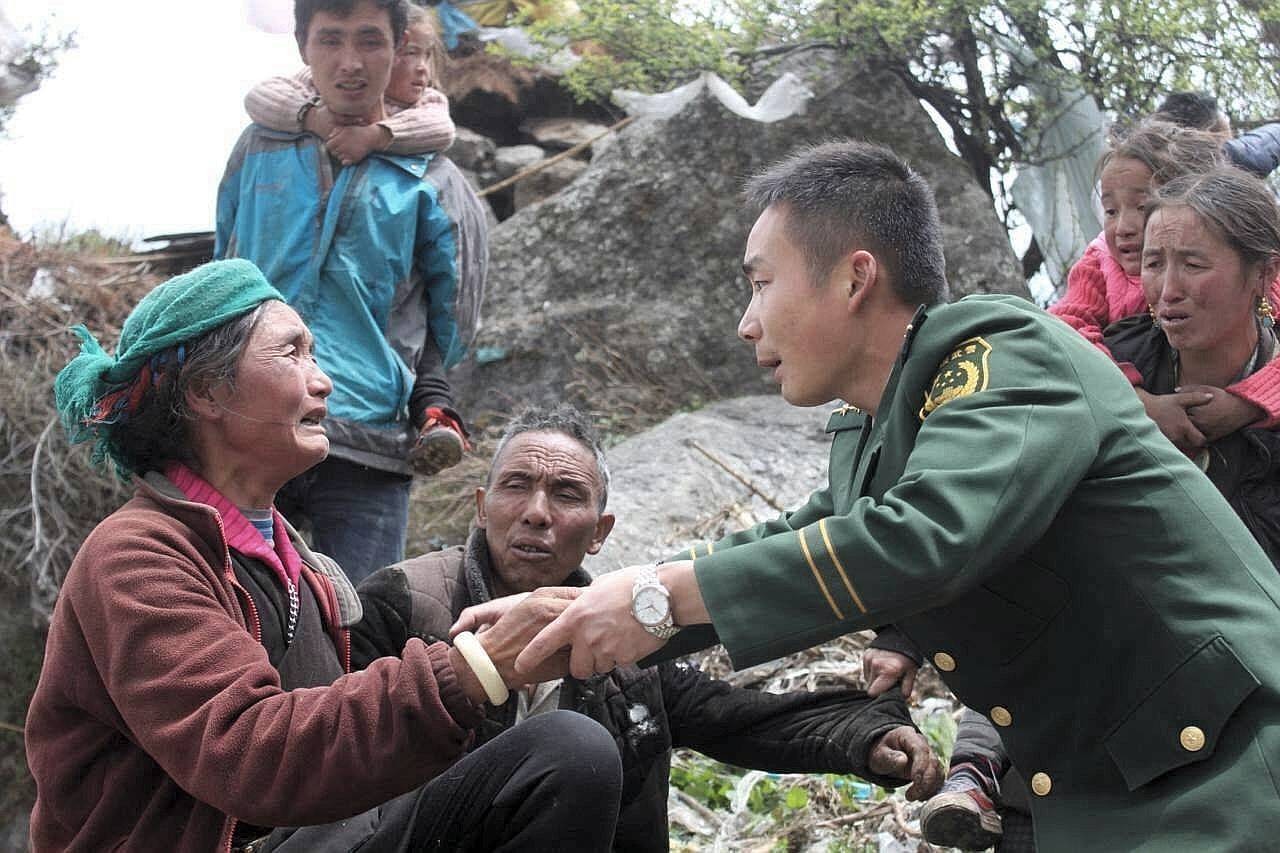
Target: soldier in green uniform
(996, 492)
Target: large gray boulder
(623, 291)
(701, 475)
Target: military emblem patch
(964, 372)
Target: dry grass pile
(489, 73)
(50, 497)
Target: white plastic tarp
(787, 96)
(1056, 193)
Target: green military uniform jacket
(1012, 509)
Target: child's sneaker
(962, 814)
(440, 445)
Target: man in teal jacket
(384, 259)
(996, 492)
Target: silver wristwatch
(651, 604)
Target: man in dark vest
(540, 513)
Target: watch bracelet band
(478, 659)
(648, 576)
(663, 632)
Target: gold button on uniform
(944, 661)
(1041, 784)
(1001, 716)
(1191, 738)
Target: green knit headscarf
(178, 311)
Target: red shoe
(962, 814)
(440, 445)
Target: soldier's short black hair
(305, 10)
(566, 420)
(842, 196)
(1190, 109)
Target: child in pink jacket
(1105, 285)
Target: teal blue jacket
(385, 261)
(1013, 510)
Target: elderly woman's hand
(508, 636)
(1169, 411)
(1223, 414)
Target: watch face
(651, 606)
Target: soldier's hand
(882, 669)
(1169, 411)
(904, 753)
(1223, 414)
(599, 629)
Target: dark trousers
(551, 783)
(355, 514)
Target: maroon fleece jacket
(158, 720)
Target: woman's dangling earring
(1265, 313)
(1155, 321)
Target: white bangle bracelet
(478, 659)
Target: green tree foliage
(955, 55)
(648, 46)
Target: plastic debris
(488, 355)
(785, 97)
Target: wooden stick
(769, 499)
(542, 164)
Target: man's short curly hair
(566, 420)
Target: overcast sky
(131, 133)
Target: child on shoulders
(417, 120)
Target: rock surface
(547, 182)
(683, 480)
(515, 158)
(474, 153)
(630, 277)
(557, 134)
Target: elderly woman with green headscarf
(194, 694)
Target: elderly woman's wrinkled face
(1202, 293)
(274, 414)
